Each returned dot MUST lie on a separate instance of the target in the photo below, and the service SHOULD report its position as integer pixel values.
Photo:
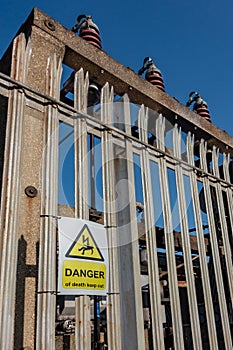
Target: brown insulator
(200, 106)
(203, 112)
(88, 30)
(155, 78)
(92, 36)
(152, 73)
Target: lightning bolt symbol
(85, 240)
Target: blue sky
(191, 42)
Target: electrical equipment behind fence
(88, 30)
(200, 106)
(152, 73)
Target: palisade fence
(165, 198)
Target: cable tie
(50, 216)
(52, 292)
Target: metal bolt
(31, 191)
(49, 24)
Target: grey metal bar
(133, 235)
(9, 224)
(226, 163)
(83, 331)
(82, 303)
(113, 298)
(192, 297)
(150, 230)
(47, 260)
(214, 245)
(223, 223)
(201, 249)
(80, 145)
(127, 240)
(168, 233)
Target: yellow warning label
(83, 275)
(85, 247)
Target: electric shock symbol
(85, 247)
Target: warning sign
(83, 257)
(85, 247)
(84, 275)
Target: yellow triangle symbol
(85, 247)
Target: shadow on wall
(23, 271)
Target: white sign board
(83, 257)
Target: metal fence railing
(165, 198)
